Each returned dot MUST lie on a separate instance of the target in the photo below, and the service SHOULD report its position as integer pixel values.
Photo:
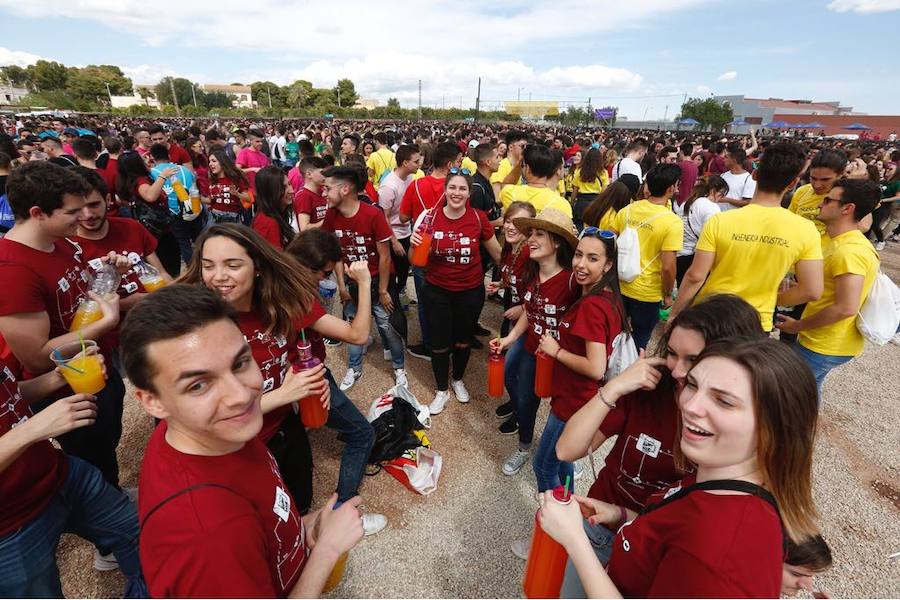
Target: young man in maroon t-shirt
(177, 154)
(364, 234)
(309, 203)
(44, 492)
(46, 276)
(216, 517)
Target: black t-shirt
(3, 184)
(483, 198)
(65, 160)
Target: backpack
(7, 218)
(624, 353)
(629, 249)
(394, 432)
(879, 316)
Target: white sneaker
(521, 548)
(350, 379)
(440, 400)
(386, 354)
(579, 470)
(879, 246)
(896, 339)
(514, 463)
(400, 378)
(459, 389)
(373, 523)
(106, 562)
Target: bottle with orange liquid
(312, 413)
(496, 362)
(419, 256)
(546, 564)
(337, 573)
(149, 276)
(543, 375)
(105, 282)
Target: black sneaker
(509, 427)
(476, 344)
(332, 343)
(420, 351)
(481, 330)
(505, 410)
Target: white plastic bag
(386, 400)
(418, 469)
(624, 354)
(879, 315)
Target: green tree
(393, 103)
(214, 99)
(708, 112)
(263, 90)
(46, 75)
(89, 83)
(183, 91)
(15, 75)
(298, 94)
(346, 91)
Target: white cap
(473, 144)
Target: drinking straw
(81, 339)
(61, 362)
(566, 492)
(303, 335)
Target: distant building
(136, 99)
(11, 95)
(241, 95)
(367, 103)
(756, 112)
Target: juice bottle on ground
(337, 573)
(547, 558)
(419, 256)
(496, 361)
(312, 413)
(543, 375)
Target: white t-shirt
(741, 186)
(626, 165)
(390, 193)
(701, 210)
(277, 141)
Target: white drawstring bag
(879, 316)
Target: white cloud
(17, 57)
(728, 76)
(704, 90)
(864, 6)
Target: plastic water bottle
(543, 375)
(496, 362)
(312, 413)
(105, 282)
(546, 564)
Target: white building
(135, 99)
(241, 95)
(10, 94)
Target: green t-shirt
(292, 149)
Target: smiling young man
(216, 518)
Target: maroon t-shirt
(641, 462)
(310, 203)
(716, 165)
(274, 355)
(593, 319)
(360, 234)
(246, 541)
(221, 198)
(126, 237)
(29, 483)
(455, 260)
(179, 155)
(545, 305)
(110, 174)
(703, 545)
(512, 267)
(688, 179)
(268, 227)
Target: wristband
(623, 517)
(556, 356)
(611, 405)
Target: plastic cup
(153, 283)
(88, 312)
(83, 372)
(327, 291)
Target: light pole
(108, 93)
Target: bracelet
(623, 517)
(611, 405)
(556, 356)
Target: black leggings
(290, 448)
(451, 325)
(401, 265)
(878, 217)
(169, 254)
(682, 264)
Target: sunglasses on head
(457, 171)
(597, 232)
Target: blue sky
(641, 56)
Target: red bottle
(543, 375)
(312, 413)
(496, 361)
(419, 255)
(546, 564)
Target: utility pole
(419, 109)
(590, 114)
(108, 93)
(518, 94)
(478, 100)
(194, 92)
(339, 94)
(666, 114)
(529, 96)
(174, 96)
(269, 91)
(444, 102)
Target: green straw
(303, 335)
(566, 491)
(81, 339)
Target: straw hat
(551, 220)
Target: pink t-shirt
(249, 158)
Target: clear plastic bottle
(312, 413)
(419, 256)
(105, 282)
(150, 276)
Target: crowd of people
(227, 243)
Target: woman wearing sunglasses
(747, 420)
(277, 303)
(454, 281)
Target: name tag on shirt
(282, 506)
(648, 445)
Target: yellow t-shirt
(848, 253)
(593, 187)
(755, 247)
(380, 161)
(502, 171)
(608, 221)
(468, 163)
(418, 174)
(539, 197)
(561, 188)
(659, 230)
(805, 202)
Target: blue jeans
(601, 540)
(644, 316)
(358, 437)
(187, 232)
(518, 374)
(820, 364)
(389, 337)
(548, 469)
(87, 506)
(419, 281)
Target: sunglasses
(457, 171)
(604, 234)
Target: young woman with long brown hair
(588, 180)
(605, 206)
(274, 207)
(746, 419)
(277, 301)
(228, 188)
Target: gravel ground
(455, 542)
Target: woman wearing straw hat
(454, 281)
(550, 289)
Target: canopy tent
(857, 127)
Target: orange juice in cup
(80, 365)
(152, 283)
